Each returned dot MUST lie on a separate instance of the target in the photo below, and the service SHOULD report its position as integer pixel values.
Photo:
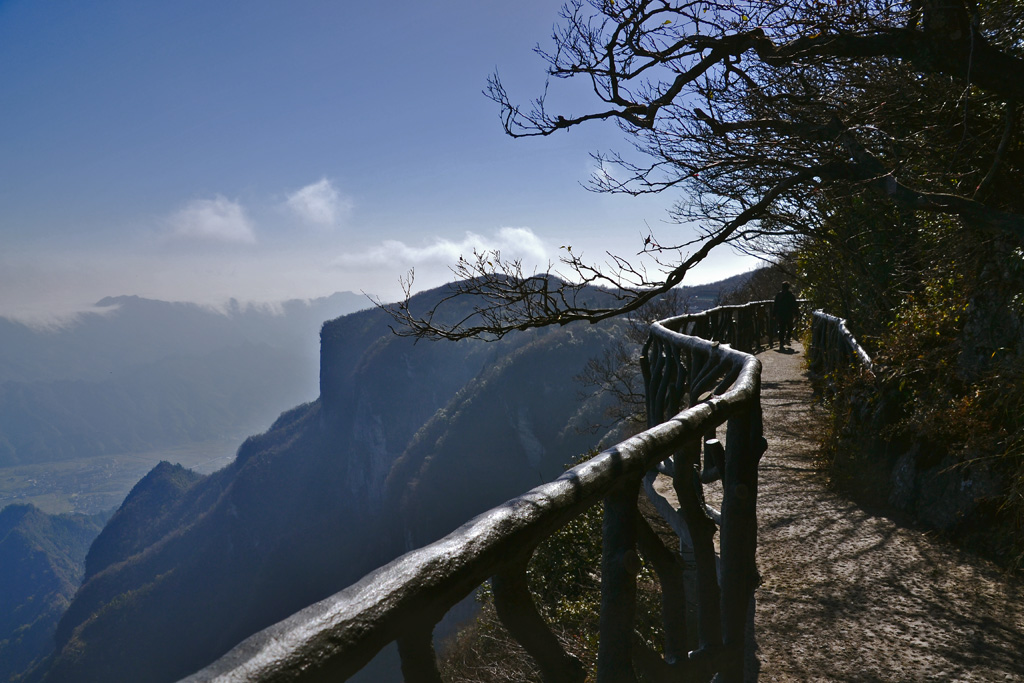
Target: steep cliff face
(375, 403)
(511, 428)
(434, 432)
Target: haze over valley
(89, 407)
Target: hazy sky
(199, 150)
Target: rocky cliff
(430, 432)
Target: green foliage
(922, 348)
(564, 577)
(858, 261)
(564, 572)
(954, 356)
(950, 377)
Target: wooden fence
(834, 348)
(700, 392)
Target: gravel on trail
(853, 595)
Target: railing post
(669, 568)
(619, 566)
(687, 459)
(702, 532)
(517, 612)
(419, 662)
(744, 447)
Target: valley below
(100, 483)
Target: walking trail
(848, 595)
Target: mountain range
(136, 374)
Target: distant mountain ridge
(154, 374)
(703, 297)
(127, 331)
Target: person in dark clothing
(785, 311)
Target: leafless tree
(760, 114)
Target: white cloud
(513, 243)
(218, 219)
(319, 204)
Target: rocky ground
(854, 595)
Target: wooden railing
(749, 327)
(694, 386)
(834, 348)
(745, 327)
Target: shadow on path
(853, 596)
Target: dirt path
(851, 596)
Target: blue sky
(201, 150)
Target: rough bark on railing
(693, 387)
(669, 568)
(416, 649)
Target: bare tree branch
(756, 113)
